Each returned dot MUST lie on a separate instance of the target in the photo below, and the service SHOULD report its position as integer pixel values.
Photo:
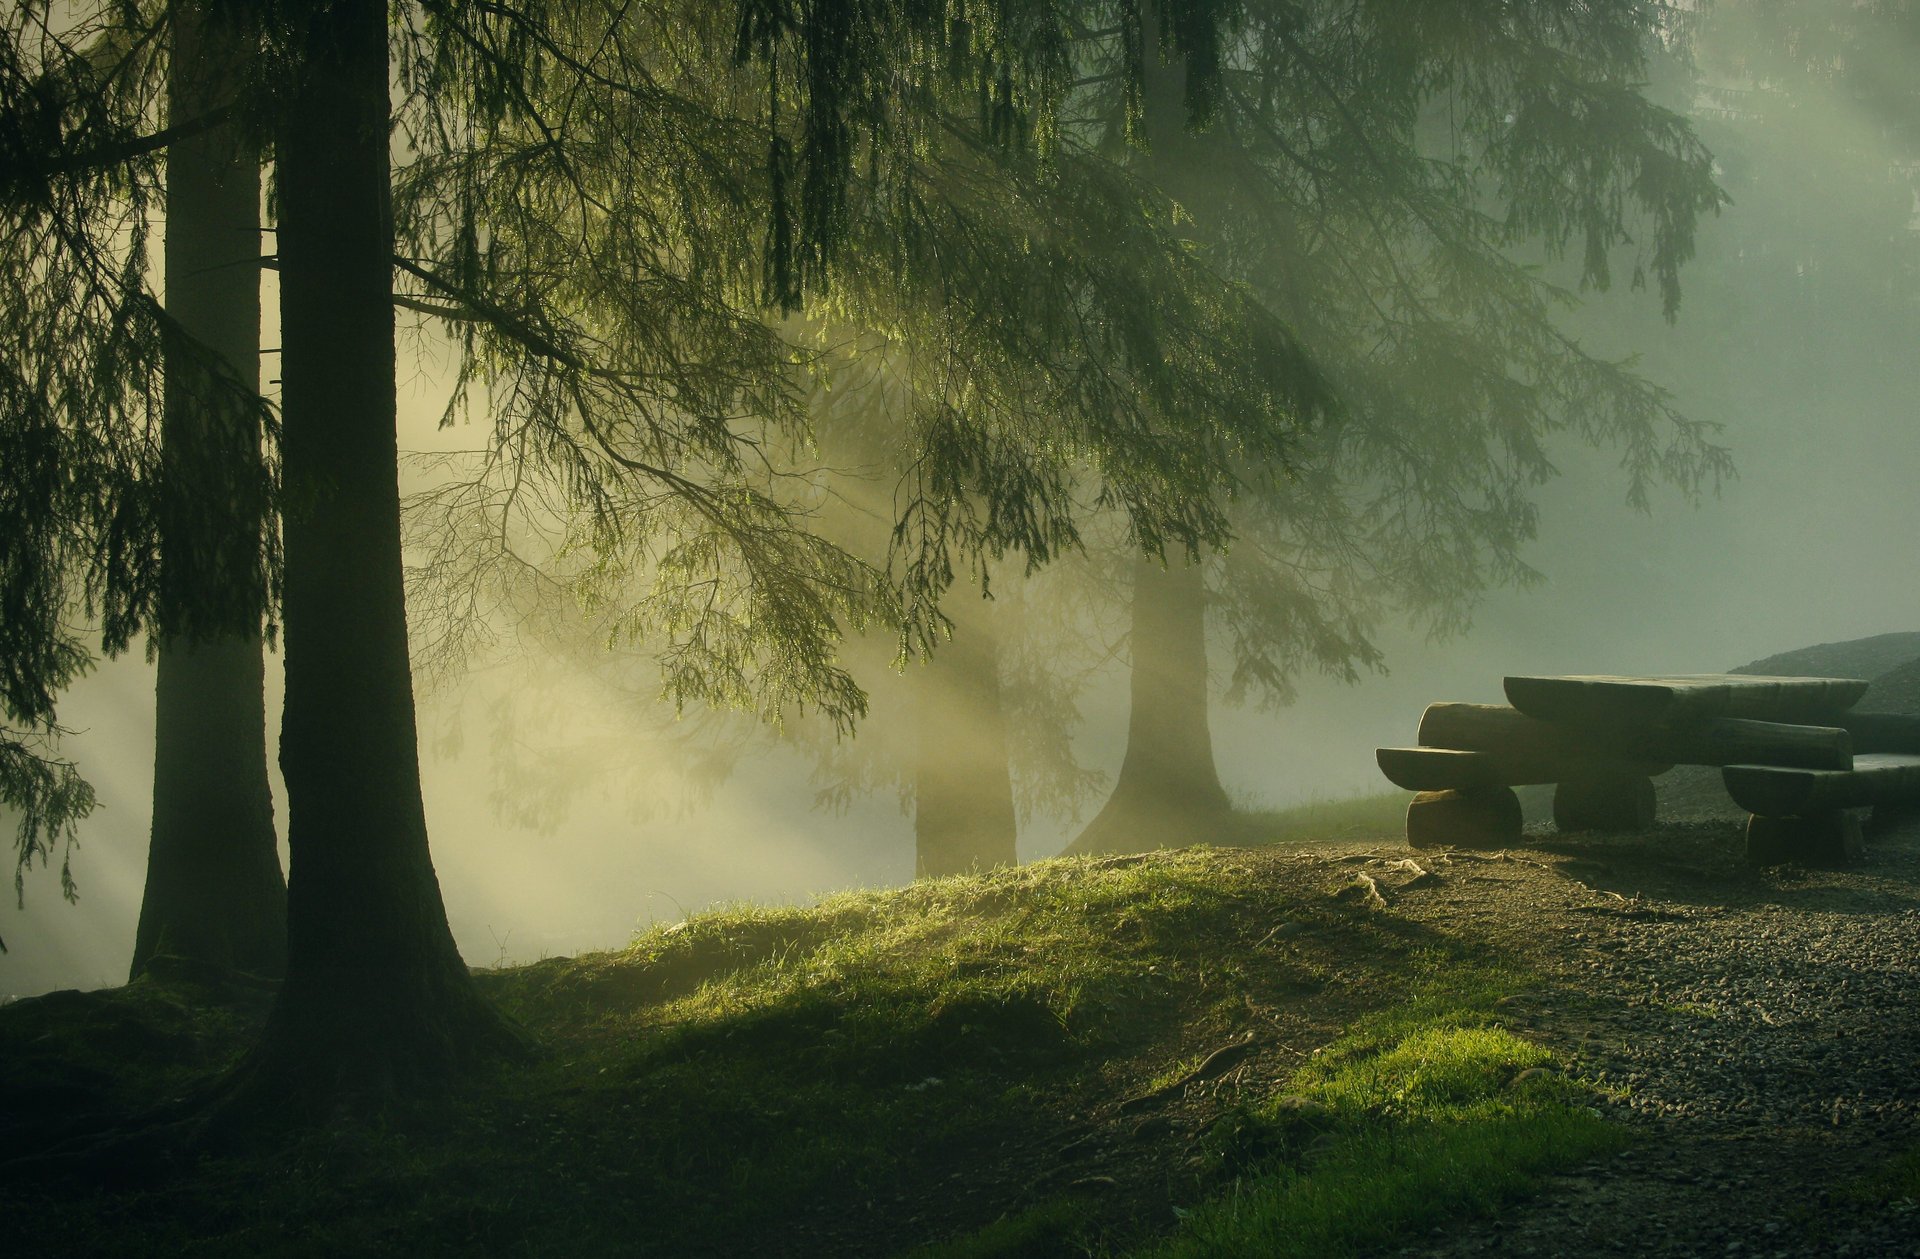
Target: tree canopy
(654, 229)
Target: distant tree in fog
(215, 898)
(1366, 171)
(110, 517)
(1058, 352)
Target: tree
(1367, 172)
(215, 897)
(79, 338)
(963, 817)
(376, 997)
(590, 293)
(1168, 791)
(1047, 332)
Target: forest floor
(1631, 1044)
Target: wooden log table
(1599, 701)
(1715, 741)
(1602, 738)
(1603, 777)
(1695, 719)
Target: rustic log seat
(1801, 814)
(1457, 769)
(1787, 746)
(1776, 791)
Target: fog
(1796, 334)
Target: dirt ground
(1756, 1029)
(1759, 1027)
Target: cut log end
(1607, 803)
(1480, 817)
(1828, 839)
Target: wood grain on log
(1678, 699)
(1483, 817)
(1876, 778)
(1595, 802)
(1648, 751)
(1451, 769)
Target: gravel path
(1761, 1029)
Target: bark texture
(963, 816)
(376, 999)
(215, 898)
(1168, 793)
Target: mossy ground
(1013, 1063)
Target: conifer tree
(1367, 172)
(215, 898)
(619, 376)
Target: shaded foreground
(1248, 1051)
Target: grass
(880, 1070)
(1350, 817)
(1418, 1115)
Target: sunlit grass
(750, 1063)
(778, 1072)
(1419, 1114)
(1348, 817)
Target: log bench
(1803, 813)
(1787, 747)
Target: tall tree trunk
(963, 817)
(1168, 793)
(215, 898)
(376, 998)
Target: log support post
(1889, 817)
(1826, 839)
(1604, 802)
(1478, 817)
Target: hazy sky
(1814, 542)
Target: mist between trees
(841, 409)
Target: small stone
(1296, 1108)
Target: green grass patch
(1420, 1114)
(1347, 818)
(877, 1072)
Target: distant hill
(1857, 658)
(1895, 691)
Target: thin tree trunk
(1168, 793)
(377, 999)
(963, 817)
(215, 899)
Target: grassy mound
(1103, 1056)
